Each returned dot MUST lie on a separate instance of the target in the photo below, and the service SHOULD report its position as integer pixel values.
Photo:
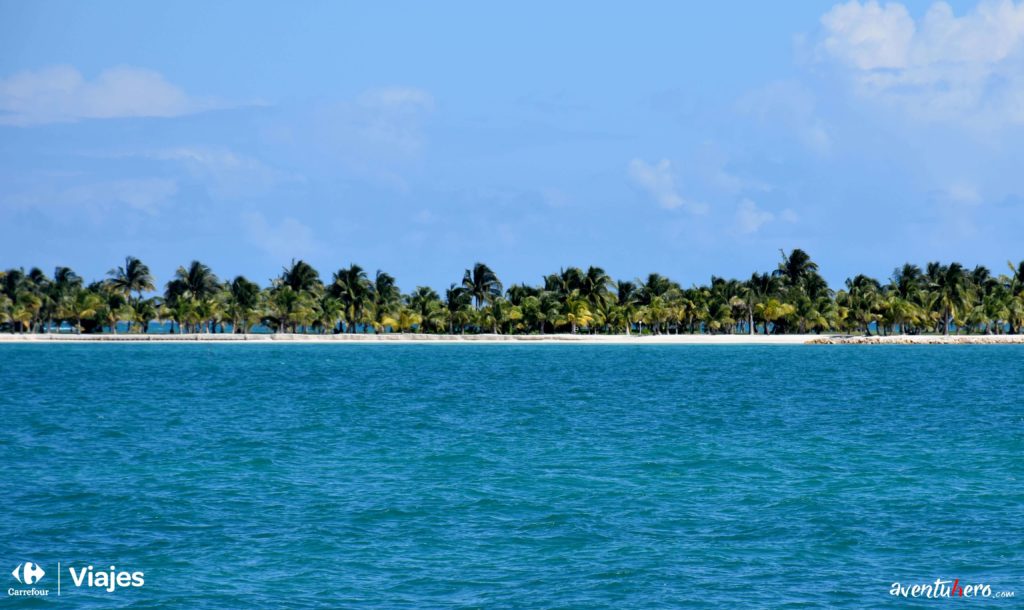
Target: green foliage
(793, 297)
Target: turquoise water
(513, 476)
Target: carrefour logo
(28, 573)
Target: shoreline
(919, 340)
(491, 339)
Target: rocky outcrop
(918, 340)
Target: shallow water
(513, 475)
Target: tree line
(792, 298)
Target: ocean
(513, 476)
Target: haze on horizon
(419, 139)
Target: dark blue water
(512, 476)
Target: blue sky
(421, 137)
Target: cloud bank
(657, 181)
(61, 94)
(941, 67)
(147, 195)
(750, 218)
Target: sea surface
(512, 476)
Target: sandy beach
(561, 339)
(407, 338)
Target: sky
(688, 139)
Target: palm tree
(772, 310)
(66, 283)
(1015, 313)
(353, 289)
(719, 317)
(242, 304)
(564, 282)
(114, 306)
(758, 288)
(864, 300)
(406, 319)
(1017, 279)
(182, 311)
(134, 276)
(482, 284)
(812, 314)
(386, 301)
(301, 277)
(5, 309)
(10, 281)
(792, 298)
(426, 304)
(517, 292)
(732, 294)
(329, 312)
(655, 286)
(65, 280)
(907, 281)
(899, 311)
(532, 315)
(457, 300)
(290, 307)
(595, 287)
(24, 311)
(145, 311)
(82, 306)
(36, 292)
(952, 289)
(197, 286)
(626, 298)
(996, 307)
(196, 281)
(577, 313)
(796, 267)
(385, 292)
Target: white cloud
(226, 173)
(750, 218)
(658, 182)
(389, 119)
(713, 167)
(963, 193)
(555, 197)
(404, 99)
(869, 36)
(377, 134)
(424, 217)
(816, 137)
(60, 94)
(790, 105)
(940, 67)
(283, 239)
(143, 194)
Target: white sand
(393, 338)
(561, 339)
